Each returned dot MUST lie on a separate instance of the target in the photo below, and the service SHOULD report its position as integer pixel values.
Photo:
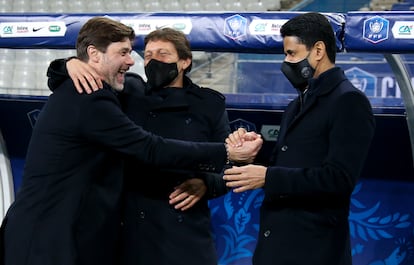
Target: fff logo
(376, 29)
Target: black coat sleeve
(103, 121)
(57, 73)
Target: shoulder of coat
(212, 93)
(134, 76)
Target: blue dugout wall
(374, 50)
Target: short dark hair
(177, 38)
(101, 32)
(310, 28)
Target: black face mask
(298, 73)
(160, 74)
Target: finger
(188, 203)
(235, 183)
(240, 133)
(180, 189)
(232, 140)
(174, 194)
(99, 82)
(178, 197)
(183, 204)
(95, 82)
(78, 86)
(238, 185)
(255, 145)
(240, 189)
(85, 85)
(234, 170)
(92, 83)
(250, 136)
(231, 174)
(238, 136)
(231, 177)
(259, 142)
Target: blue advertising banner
(387, 32)
(236, 32)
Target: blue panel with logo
(368, 72)
(390, 31)
(236, 32)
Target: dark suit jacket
(317, 161)
(66, 211)
(154, 232)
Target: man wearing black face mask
(298, 73)
(324, 138)
(166, 216)
(177, 109)
(160, 74)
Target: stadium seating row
(75, 6)
(23, 71)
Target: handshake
(243, 146)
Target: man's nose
(130, 60)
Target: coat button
(284, 148)
(266, 233)
(142, 214)
(180, 218)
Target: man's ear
(93, 53)
(320, 50)
(185, 63)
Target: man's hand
(84, 76)
(187, 194)
(238, 137)
(242, 147)
(245, 178)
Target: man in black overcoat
(66, 211)
(324, 138)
